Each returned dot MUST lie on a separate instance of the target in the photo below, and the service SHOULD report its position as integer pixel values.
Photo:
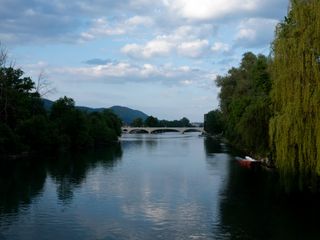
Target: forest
(26, 127)
(269, 105)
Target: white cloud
(255, 32)
(103, 27)
(209, 9)
(193, 48)
(184, 32)
(132, 50)
(206, 10)
(62, 21)
(109, 70)
(148, 70)
(123, 72)
(152, 48)
(139, 20)
(116, 70)
(247, 34)
(184, 41)
(157, 47)
(186, 82)
(220, 47)
(185, 68)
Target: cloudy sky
(158, 56)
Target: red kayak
(248, 162)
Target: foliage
(113, 121)
(183, 122)
(26, 126)
(138, 122)
(213, 123)
(77, 129)
(18, 101)
(9, 141)
(151, 122)
(294, 128)
(287, 102)
(35, 133)
(70, 123)
(245, 104)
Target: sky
(158, 56)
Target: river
(162, 186)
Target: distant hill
(127, 115)
(47, 103)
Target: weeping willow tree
(295, 126)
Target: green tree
(113, 121)
(9, 141)
(184, 122)
(213, 123)
(100, 131)
(70, 124)
(62, 107)
(26, 126)
(138, 122)
(18, 101)
(151, 122)
(35, 133)
(245, 104)
(294, 127)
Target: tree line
(155, 122)
(270, 106)
(25, 125)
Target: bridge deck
(163, 129)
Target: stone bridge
(151, 130)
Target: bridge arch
(192, 130)
(162, 130)
(132, 131)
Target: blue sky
(161, 57)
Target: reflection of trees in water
(132, 143)
(20, 183)
(218, 145)
(254, 206)
(137, 141)
(212, 145)
(216, 156)
(151, 143)
(69, 171)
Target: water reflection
(69, 171)
(213, 146)
(20, 183)
(254, 206)
(158, 187)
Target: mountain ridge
(126, 114)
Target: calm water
(164, 186)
